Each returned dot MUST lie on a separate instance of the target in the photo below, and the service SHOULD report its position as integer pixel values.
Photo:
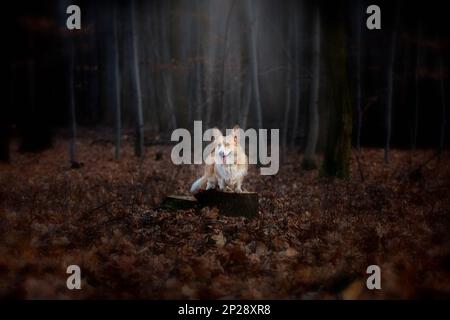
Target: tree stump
(177, 202)
(243, 204)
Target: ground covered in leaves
(313, 238)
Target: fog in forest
(160, 65)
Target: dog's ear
(235, 133)
(216, 133)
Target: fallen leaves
(219, 239)
(312, 238)
(290, 253)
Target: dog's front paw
(210, 185)
(238, 190)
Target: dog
(226, 165)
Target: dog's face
(226, 148)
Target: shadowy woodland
(85, 143)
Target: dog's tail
(198, 185)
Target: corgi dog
(226, 166)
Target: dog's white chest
(227, 172)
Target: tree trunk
(254, 61)
(198, 66)
(296, 66)
(5, 116)
(185, 55)
(309, 161)
(211, 52)
(336, 160)
(93, 80)
(417, 92)
(73, 119)
(139, 143)
(222, 73)
(116, 81)
(443, 105)
(246, 101)
(199, 90)
(359, 27)
(69, 74)
(390, 94)
(288, 86)
(154, 81)
(166, 57)
(236, 98)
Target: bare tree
(358, 77)
(296, 75)
(73, 119)
(5, 115)
(336, 162)
(235, 84)
(417, 89)
(166, 58)
(443, 104)
(139, 144)
(309, 161)
(154, 81)
(246, 100)
(185, 53)
(116, 81)
(198, 65)
(69, 70)
(288, 85)
(390, 91)
(253, 57)
(199, 85)
(222, 73)
(92, 77)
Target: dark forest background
(161, 65)
(85, 149)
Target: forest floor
(313, 238)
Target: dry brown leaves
(312, 239)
